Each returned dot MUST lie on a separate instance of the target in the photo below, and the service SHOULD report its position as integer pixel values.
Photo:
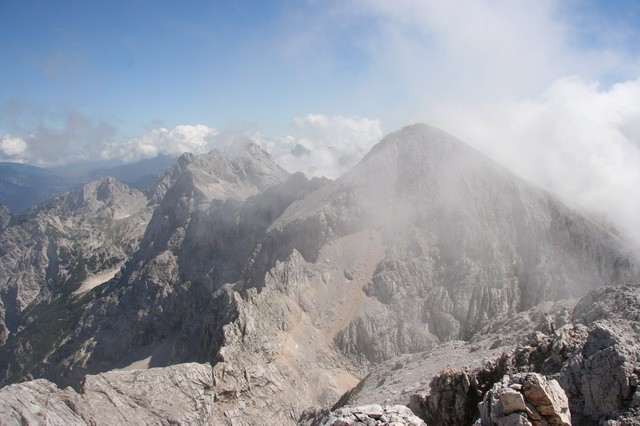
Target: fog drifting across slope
(548, 89)
(577, 140)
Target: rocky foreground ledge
(519, 399)
(370, 415)
(578, 364)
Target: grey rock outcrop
(182, 394)
(370, 415)
(5, 218)
(525, 399)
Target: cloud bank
(184, 138)
(44, 136)
(578, 140)
(319, 145)
(322, 145)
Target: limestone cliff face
(292, 289)
(585, 354)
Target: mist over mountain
(262, 294)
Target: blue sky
(216, 63)
(121, 68)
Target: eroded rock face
(602, 378)
(207, 223)
(525, 399)
(181, 394)
(465, 241)
(5, 218)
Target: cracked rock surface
(369, 415)
(181, 394)
(525, 399)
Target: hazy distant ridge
(23, 186)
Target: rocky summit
(426, 285)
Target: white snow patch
(97, 279)
(155, 355)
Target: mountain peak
(239, 170)
(420, 128)
(104, 196)
(185, 159)
(242, 145)
(418, 158)
(421, 138)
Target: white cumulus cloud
(319, 145)
(578, 140)
(324, 145)
(196, 139)
(13, 148)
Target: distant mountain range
(23, 186)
